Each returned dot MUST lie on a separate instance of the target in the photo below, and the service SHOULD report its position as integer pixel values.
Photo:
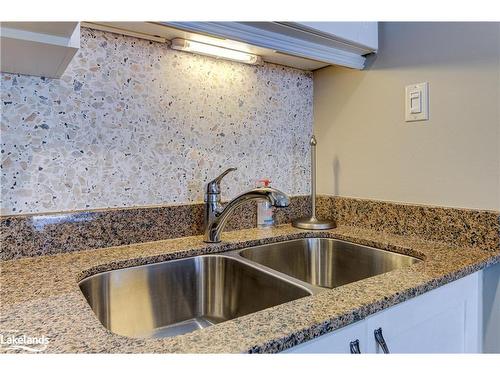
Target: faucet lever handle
(213, 186)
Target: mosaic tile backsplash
(134, 123)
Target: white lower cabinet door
(444, 320)
(335, 342)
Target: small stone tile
(135, 123)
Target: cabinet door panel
(334, 342)
(444, 320)
(440, 333)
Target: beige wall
(367, 150)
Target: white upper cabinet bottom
(38, 48)
(363, 34)
(306, 45)
(46, 48)
(297, 39)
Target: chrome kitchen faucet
(216, 214)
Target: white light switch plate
(417, 102)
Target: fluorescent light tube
(215, 51)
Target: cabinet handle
(354, 346)
(379, 337)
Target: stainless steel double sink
(179, 296)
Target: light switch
(417, 102)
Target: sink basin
(326, 262)
(180, 296)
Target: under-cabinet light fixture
(215, 51)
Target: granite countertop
(40, 295)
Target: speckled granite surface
(461, 227)
(32, 235)
(40, 295)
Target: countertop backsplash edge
(54, 233)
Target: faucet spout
(274, 196)
(217, 215)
